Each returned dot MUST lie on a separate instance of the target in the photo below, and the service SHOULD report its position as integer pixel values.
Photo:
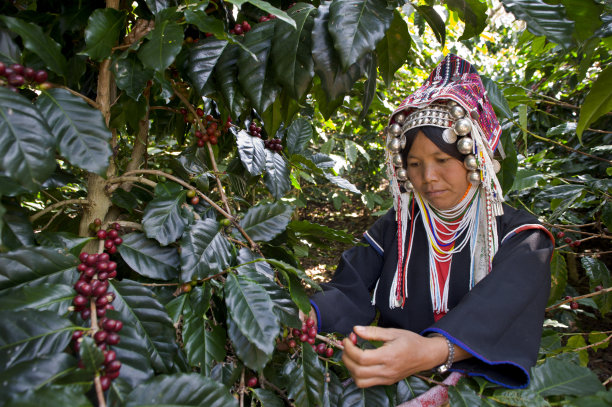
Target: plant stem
(58, 205)
(593, 344)
(123, 178)
(92, 103)
(593, 294)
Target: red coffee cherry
(252, 382)
(353, 338)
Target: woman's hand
(312, 314)
(403, 353)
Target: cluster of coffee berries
(111, 238)
(17, 75)
(274, 144)
(193, 198)
(308, 334)
(212, 133)
(568, 240)
(241, 28)
(95, 270)
(573, 304)
(267, 17)
(254, 130)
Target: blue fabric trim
(374, 244)
(318, 315)
(479, 357)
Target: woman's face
(438, 177)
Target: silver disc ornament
(408, 186)
(463, 127)
(400, 118)
(465, 145)
(457, 112)
(397, 160)
(470, 162)
(395, 145)
(395, 129)
(401, 174)
(449, 135)
(474, 177)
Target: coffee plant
(154, 155)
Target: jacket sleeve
(346, 300)
(500, 320)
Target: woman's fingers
(375, 333)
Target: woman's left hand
(402, 354)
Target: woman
(459, 280)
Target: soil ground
(356, 219)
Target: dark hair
(435, 135)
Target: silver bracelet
(451, 357)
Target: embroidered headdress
(454, 99)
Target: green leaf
(356, 26)
(600, 399)
(543, 19)
(26, 145)
(205, 23)
(256, 77)
(277, 174)
(291, 51)
(462, 395)
(434, 21)
(90, 354)
(164, 217)
(204, 250)
(226, 72)
(598, 274)
(80, 132)
(148, 259)
(124, 199)
(526, 179)
(509, 165)
(252, 152)
(267, 398)
(140, 309)
(51, 395)
(202, 60)
(102, 32)
(473, 13)
(9, 50)
(298, 293)
(300, 274)
(165, 42)
(369, 88)
(598, 102)
(182, 389)
(131, 76)
(35, 266)
(265, 221)
(299, 134)
(309, 230)
(497, 98)
(44, 297)
(374, 396)
(606, 215)
(203, 343)
(305, 379)
(394, 48)
(342, 183)
(34, 373)
(249, 306)
(410, 388)
(335, 81)
(63, 240)
(29, 333)
(15, 228)
(248, 352)
(559, 377)
(558, 274)
(586, 15)
(268, 8)
(36, 41)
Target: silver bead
(496, 166)
(403, 141)
(451, 103)
(395, 129)
(395, 145)
(397, 160)
(474, 177)
(470, 162)
(400, 118)
(457, 112)
(465, 145)
(449, 135)
(402, 174)
(463, 127)
(408, 186)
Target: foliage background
(108, 140)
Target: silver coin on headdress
(397, 160)
(395, 145)
(465, 145)
(496, 166)
(400, 118)
(457, 112)
(470, 162)
(463, 127)
(474, 177)
(395, 129)
(449, 135)
(408, 186)
(401, 174)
